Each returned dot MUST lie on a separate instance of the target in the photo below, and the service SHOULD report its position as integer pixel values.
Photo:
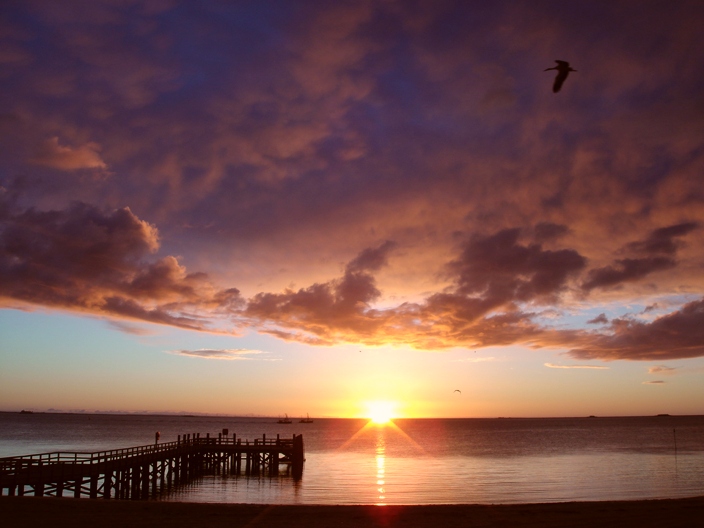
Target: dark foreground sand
(68, 512)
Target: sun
(381, 412)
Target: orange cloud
(550, 365)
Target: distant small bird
(563, 70)
(457, 390)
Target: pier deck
(144, 471)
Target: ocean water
(413, 461)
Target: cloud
(663, 240)
(599, 319)
(501, 269)
(676, 335)
(127, 328)
(292, 138)
(63, 158)
(230, 354)
(486, 359)
(660, 242)
(88, 260)
(102, 262)
(546, 231)
(626, 270)
(330, 310)
(661, 369)
(594, 367)
(655, 382)
(492, 275)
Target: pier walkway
(145, 471)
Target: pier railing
(137, 472)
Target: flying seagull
(457, 390)
(563, 70)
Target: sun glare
(381, 412)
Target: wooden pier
(146, 471)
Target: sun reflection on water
(381, 466)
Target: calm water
(427, 461)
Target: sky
(270, 207)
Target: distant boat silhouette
(563, 70)
(307, 419)
(284, 420)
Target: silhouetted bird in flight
(457, 390)
(563, 70)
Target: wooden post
(136, 481)
(94, 485)
(107, 484)
(297, 457)
(145, 481)
(155, 475)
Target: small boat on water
(307, 419)
(284, 420)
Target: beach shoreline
(21, 512)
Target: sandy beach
(51, 512)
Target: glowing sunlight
(381, 412)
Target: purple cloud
(88, 260)
(276, 144)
